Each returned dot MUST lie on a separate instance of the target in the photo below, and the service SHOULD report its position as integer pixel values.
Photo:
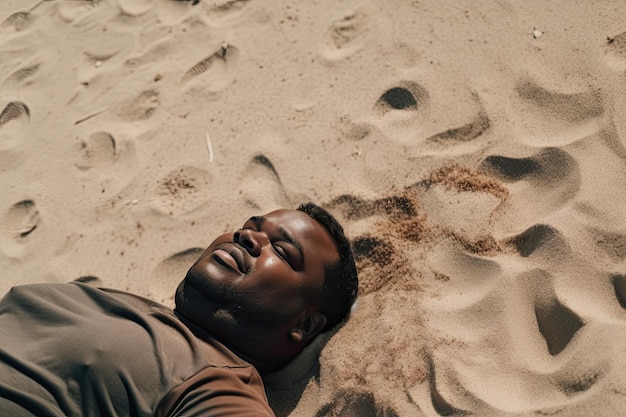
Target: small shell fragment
(537, 33)
(209, 147)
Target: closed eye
(282, 252)
(283, 243)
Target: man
(248, 306)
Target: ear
(308, 327)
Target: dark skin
(258, 290)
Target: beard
(232, 305)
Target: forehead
(310, 234)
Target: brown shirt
(76, 350)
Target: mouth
(232, 257)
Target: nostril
(243, 238)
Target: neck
(266, 354)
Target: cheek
(270, 269)
(274, 276)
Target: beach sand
(475, 152)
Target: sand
(475, 151)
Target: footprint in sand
(555, 118)
(169, 273)
(410, 115)
(572, 107)
(410, 96)
(14, 119)
(345, 36)
(19, 78)
(215, 72)
(151, 54)
(17, 21)
(224, 10)
(549, 178)
(183, 190)
(18, 226)
(543, 329)
(557, 323)
(104, 164)
(261, 186)
(141, 107)
(80, 13)
(98, 150)
(135, 7)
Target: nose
(251, 240)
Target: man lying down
(249, 305)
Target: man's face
(263, 277)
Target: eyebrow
(289, 238)
(284, 234)
(258, 221)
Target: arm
(217, 392)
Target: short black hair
(341, 283)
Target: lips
(232, 257)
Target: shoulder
(58, 293)
(217, 391)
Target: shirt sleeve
(218, 392)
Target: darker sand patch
(456, 177)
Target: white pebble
(537, 33)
